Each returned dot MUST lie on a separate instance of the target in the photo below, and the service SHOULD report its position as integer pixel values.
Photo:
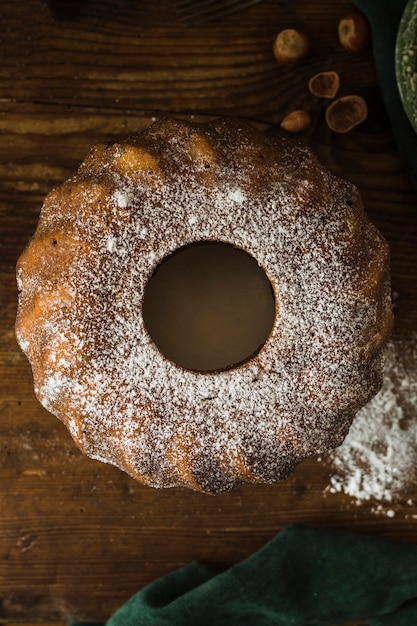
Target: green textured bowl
(406, 61)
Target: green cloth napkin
(304, 576)
(384, 17)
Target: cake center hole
(209, 306)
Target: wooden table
(77, 537)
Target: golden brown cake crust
(99, 238)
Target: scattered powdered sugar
(100, 237)
(378, 459)
(122, 199)
(237, 195)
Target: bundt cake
(105, 235)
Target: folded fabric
(384, 17)
(304, 576)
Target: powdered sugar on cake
(101, 236)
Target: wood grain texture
(77, 537)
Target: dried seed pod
(353, 31)
(290, 46)
(324, 84)
(345, 113)
(296, 121)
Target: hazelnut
(296, 121)
(324, 84)
(290, 46)
(353, 31)
(345, 113)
